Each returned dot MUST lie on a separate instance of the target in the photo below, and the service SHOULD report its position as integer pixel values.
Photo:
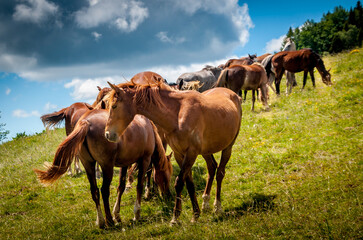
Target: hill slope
(295, 172)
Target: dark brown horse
(140, 143)
(195, 123)
(70, 115)
(296, 61)
(245, 77)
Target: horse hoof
(174, 222)
(117, 219)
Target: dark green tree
(3, 132)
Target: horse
(192, 85)
(139, 143)
(195, 123)
(241, 61)
(262, 57)
(290, 77)
(296, 61)
(207, 77)
(245, 77)
(70, 115)
(102, 102)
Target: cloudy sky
(54, 52)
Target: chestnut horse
(140, 78)
(195, 123)
(296, 61)
(70, 115)
(245, 77)
(241, 61)
(140, 143)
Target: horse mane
(145, 94)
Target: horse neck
(165, 115)
(321, 67)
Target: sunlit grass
(295, 172)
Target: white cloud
(163, 36)
(86, 89)
(34, 11)
(237, 14)
(24, 114)
(8, 91)
(96, 35)
(48, 106)
(274, 45)
(126, 15)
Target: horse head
(121, 113)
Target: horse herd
(133, 122)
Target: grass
(295, 173)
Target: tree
(3, 132)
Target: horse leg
(98, 171)
(130, 176)
(264, 97)
(305, 77)
(245, 96)
(120, 190)
(278, 80)
(312, 77)
(105, 190)
(185, 162)
(212, 166)
(77, 166)
(288, 82)
(226, 154)
(144, 163)
(91, 175)
(148, 183)
(253, 100)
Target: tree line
(337, 31)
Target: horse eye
(114, 106)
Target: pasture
(295, 172)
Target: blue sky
(54, 53)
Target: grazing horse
(139, 143)
(207, 78)
(245, 77)
(195, 123)
(296, 61)
(70, 115)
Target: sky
(55, 52)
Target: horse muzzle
(111, 137)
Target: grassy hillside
(295, 172)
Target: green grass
(295, 173)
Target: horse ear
(99, 89)
(114, 87)
(103, 105)
(181, 83)
(169, 156)
(329, 70)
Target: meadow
(295, 173)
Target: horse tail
(65, 154)
(53, 119)
(163, 167)
(222, 80)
